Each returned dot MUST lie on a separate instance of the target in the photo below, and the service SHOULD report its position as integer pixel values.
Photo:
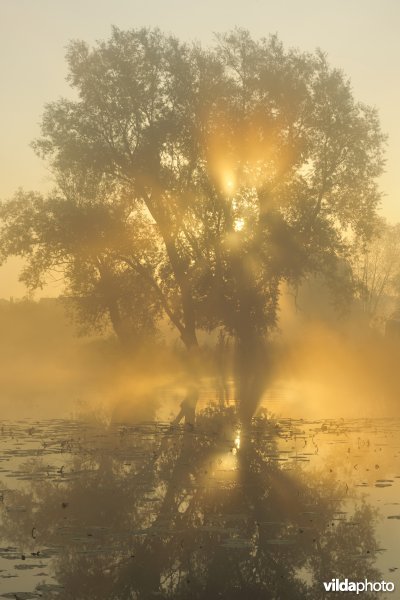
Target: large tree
(249, 163)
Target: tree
(376, 270)
(250, 163)
(76, 234)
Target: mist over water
(47, 370)
(315, 368)
(101, 492)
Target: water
(116, 511)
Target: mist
(49, 371)
(322, 366)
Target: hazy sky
(360, 36)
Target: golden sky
(359, 36)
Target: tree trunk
(120, 328)
(118, 325)
(189, 337)
(252, 371)
(251, 366)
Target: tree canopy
(202, 178)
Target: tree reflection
(158, 512)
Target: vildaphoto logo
(336, 585)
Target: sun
(228, 181)
(238, 225)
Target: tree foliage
(77, 234)
(232, 168)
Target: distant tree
(249, 163)
(376, 268)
